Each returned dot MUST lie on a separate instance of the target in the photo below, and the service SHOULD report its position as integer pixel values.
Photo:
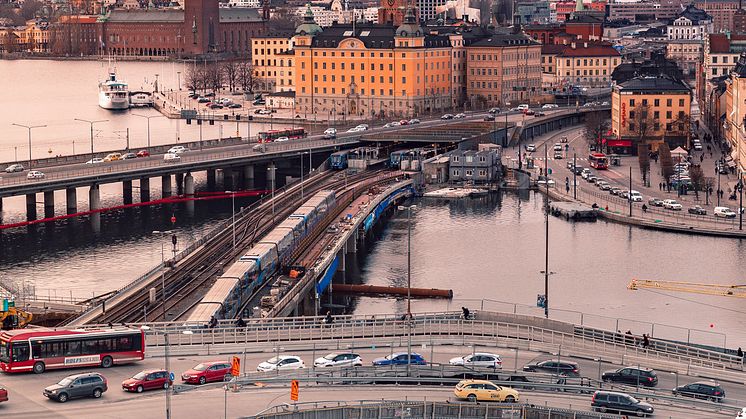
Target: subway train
(236, 285)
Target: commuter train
(338, 160)
(237, 284)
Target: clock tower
(392, 12)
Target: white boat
(140, 99)
(113, 94)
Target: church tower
(392, 12)
(201, 21)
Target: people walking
(328, 319)
(740, 352)
(645, 341)
(660, 186)
(240, 322)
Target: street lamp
(273, 169)
(148, 118)
(29, 128)
(409, 210)
(233, 215)
(91, 123)
(167, 362)
(739, 188)
(163, 270)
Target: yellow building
(650, 110)
(734, 126)
(370, 70)
(585, 64)
(34, 37)
(273, 62)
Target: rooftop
(589, 50)
(658, 84)
(371, 35)
(155, 15)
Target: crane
(737, 291)
(12, 317)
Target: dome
(309, 26)
(410, 27)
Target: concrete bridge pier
(248, 177)
(211, 178)
(351, 245)
(165, 186)
(127, 192)
(189, 192)
(31, 206)
(94, 199)
(179, 183)
(48, 204)
(144, 189)
(72, 200)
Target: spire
(578, 5)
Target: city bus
(598, 161)
(40, 349)
(291, 133)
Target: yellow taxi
(483, 390)
(113, 157)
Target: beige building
(586, 64)
(34, 37)
(735, 112)
(687, 54)
(273, 61)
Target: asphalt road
(26, 399)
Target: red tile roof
(590, 51)
(720, 43)
(552, 49)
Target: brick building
(722, 12)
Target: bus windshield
(4, 352)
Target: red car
(404, 122)
(143, 153)
(528, 112)
(207, 372)
(3, 395)
(147, 380)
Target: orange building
(371, 70)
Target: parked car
(202, 99)
(234, 106)
(35, 174)
(95, 160)
(3, 394)
(556, 367)
(354, 129)
(635, 196)
(127, 156)
(542, 181)
(400, 358)
(281, 363)
(604, 401)
(632, 375)
(259, 102)
(708, 390)
(459, 116)
(550, 106)
(446, 116)
(215, 106)
(479, 359)
(17, 167)
(414, 121)
(147, 380)
(338, 359)
(724, 212)
(113, 157)
(528, 112)
(522, 107)
(592, 178)
(672, 204)
(483, 390)
(171, 157)
(655, 202)
(330, 133)
(489, 118)
(363, 127)
(530, 148)
(89, 384)
(615, 190)
(697, 210)
(143, 153)
(207, 372)
(177, 149)
(404, 122)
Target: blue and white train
(237, 283)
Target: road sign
(294, 390)
(236, 367)
(172, 376)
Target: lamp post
(163, 271)
(546, 235)
(273, 169)
(29, 128)
(233, 216)
(409, 210)
(91, 123)
(178, 77)
(148, 118)
(739, 188)
(167, 362)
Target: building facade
(272, 58)
(690, 24)
(735, 114)
(722, 12)
(687, 54)
(651, 110)
(586, 64)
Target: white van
(522, 107)
(635, 196)
(724, 212)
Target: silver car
(14, 168)
(479, 359)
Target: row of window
(656, 114)
(333, 91)
(434, 78)
(468, 172)
(504, 57)
(469, 159)
(656, 102)
(587, 62)
(656, 127)
(505, 71)
(586, 73)
(380, 54)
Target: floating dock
(573, 211)
(455, 193)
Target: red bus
(291, 133)
(598, 161)
(39, 349)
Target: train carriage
(222, 301)
(265, 255)
(338, 160)
(283, 240)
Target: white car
(177, 149)
(486, 360)
(282, 139)
(330, 133)
(557, 147)
(672, 204)
(363, 127)
(542, 181)
(550, 106)
(724, 212)
(95, 160)
(264, 112)
(530, 148)
(258, 147)
(459, 116)
(338, 359)
(171, 157)
(355, 129)
(35, 174)
(742, 414)
(635, 196)
(282, 362)
(522, 107)
(585, 173)
(14, 168)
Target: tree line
(216, 76)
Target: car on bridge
(281, 363)
(171, 157)
(672, 204)
(113, 157)
(622, 403)
(724, 212)
(207, 372)
(14, 168)
(414, 121)
(550, 106)
(489, 118)
(143, 153)
(479, 359)
(147, 380)
(459, 116)
(330, 133)
(127, 156)
(282, 139)
(483, 390)
(177, 149)
(632, 375)
(530, 148)
(35, 174)
(708, 390)
(655, 202)
(90, 384)
(95, 160)
(697, 210)
(447, 116)
(556, 367)
(400, 358)
(494, 110)
(339, 359)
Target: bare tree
(643, 157)
(214, 77)
(230, 73)
(641, 123)
(30, 9)
(192, 79)
(664, 152)
(709, 185)
(698, 179)
(284, 19)
(595, 126)
(246, 77)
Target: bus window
(20, 351)
(4, 351)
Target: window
(681, 102)
(656, 126)
(469, 172)
(631, 114)
(644, 102)
(631, 126)
(656, 115)
(656, 102)
(669, 102)
(631, 102)
(715, 60)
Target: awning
(619, 143)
